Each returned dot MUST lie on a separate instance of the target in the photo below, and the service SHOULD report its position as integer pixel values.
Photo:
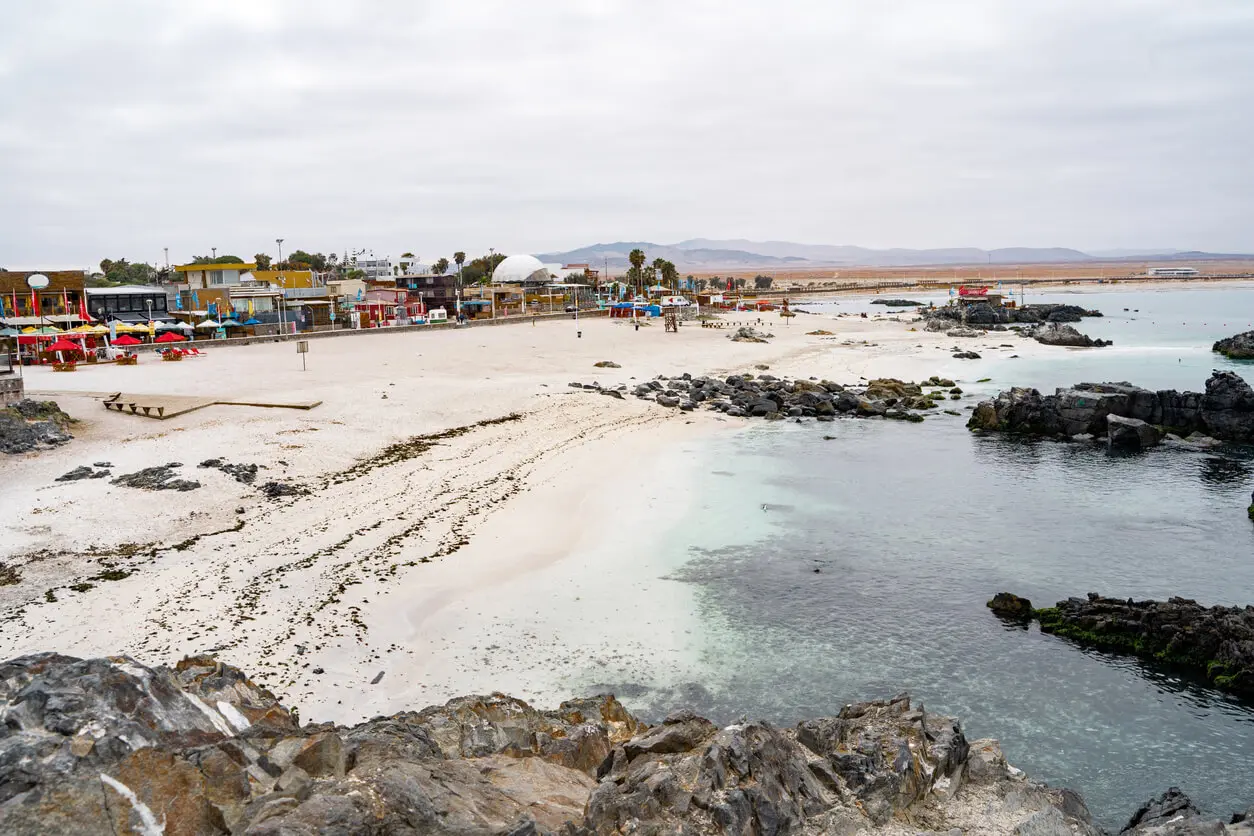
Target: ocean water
(839, 562)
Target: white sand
(482, 563)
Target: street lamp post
(214, 250)
(283, 285)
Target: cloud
(423, 126)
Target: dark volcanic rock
(274, 490)
(1218, 642)
(1225, 411)
(1239, 347)
(966, 355)
(27, 426)
(897, 303)
(160, 478)
(83, 472)
(243, 473)
(1065, 335)
(1131, 433)
(1009, 605)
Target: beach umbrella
(170, 337)
(127, 339)
(252, 321)
(9, 332)
(230, 323)
(63, 345)
(209, 323)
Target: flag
(34, 302)
(178, 302)
(2, 314)
(15, 313)
(195, 300)
(82, 307)
(250, 308)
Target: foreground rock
(111, 746)
(1173, 814)
(1240, 347)
(775, 398)
(1216, 642)
(160, 478)
(1224, 411)
(746, 334)
(1066, 335)
(28, 426)
(897, 303)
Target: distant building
(1172, 272)
(374, 268)
(200, 276)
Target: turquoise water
(911, 528)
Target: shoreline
(400, 570)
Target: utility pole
(214, 250)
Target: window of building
(215, 276)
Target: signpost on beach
(302, 348)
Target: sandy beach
(458, 494)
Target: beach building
(520, 269)
(129, 303)
(60, 303)
(432, 290)
(1172, 272)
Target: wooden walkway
(162, 407)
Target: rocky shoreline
(112, 746)
(1125, 415)
(1215, 642)
(1239, 347)
(774, 398)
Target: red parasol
(64, 345)
(127, 339)
(169, 337)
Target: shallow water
(913, 527)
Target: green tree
(440, 267)
(739, 284)
(762, 282)
(263, 261)
(669, 274)
(635, 274)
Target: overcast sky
(130, 126)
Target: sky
(133, 126)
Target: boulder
(1131, 433)
(1239, 347)
(963, 332)
(1228, 407)
(1009, 605)
(28, 426)
(897, 303)
(1065, 335)
(966, 355)
(746, 334)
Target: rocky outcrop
(28, 426)
(774, 398)
(983, 314)
(897, 303)
(1240, 347)
(1217, 642)
(1173, 814)
(1065, 335)
(1131, 433)
(1225, 410)
(111, 746)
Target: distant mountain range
(741, 254)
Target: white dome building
(518, 269)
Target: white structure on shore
(375, 268)
(518, 269)
(1172, 272)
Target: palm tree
(636, 257)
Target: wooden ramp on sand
(162, 407)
